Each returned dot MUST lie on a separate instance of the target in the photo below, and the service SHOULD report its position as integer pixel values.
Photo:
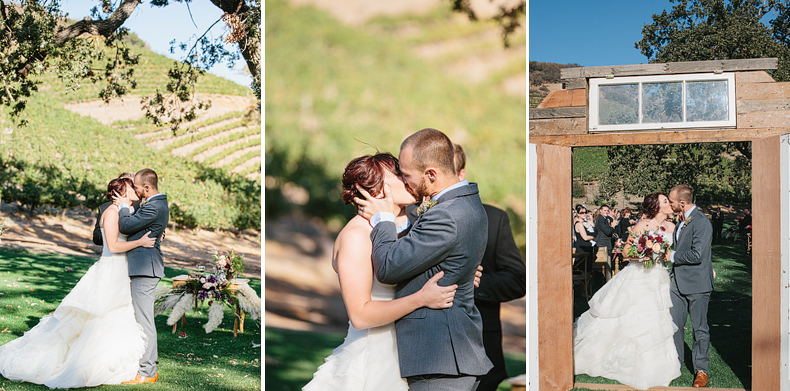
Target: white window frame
(593, 119)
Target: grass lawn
(293, 356)
(729, 318)
(32, 285)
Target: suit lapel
(687, 224)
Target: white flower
(181, 308)
(249, 301)
(215, 314)
(161, 291)
(202, 280)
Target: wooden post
(767, 268)
(555, 286)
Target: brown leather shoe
(142, 379)
(701, 380)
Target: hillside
(544, 77)
(335, 92)
(75, 143)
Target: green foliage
(714, 170)
(546, 72)
(336, 92)
(577, 190)
(38, 40)
(590, 163)
(696, 30)
(34, 284)
(68, 160)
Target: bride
(626, 335)
(368, 358)
(92, 338)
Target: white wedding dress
(92, 338)
(626, 335)
(366, 361)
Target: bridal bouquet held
(219, 287)
(650, 246)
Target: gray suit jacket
(693, 269)
(450, 237)
(152, 216)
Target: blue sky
(158, 26)
(589, 33)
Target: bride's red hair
(368, 172)
(118, 186)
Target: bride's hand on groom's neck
(368, 206)
(118, 199)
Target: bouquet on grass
(650, 246)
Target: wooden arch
(560, 123)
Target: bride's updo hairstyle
(368, 172)
(650, 205)
(118, 186)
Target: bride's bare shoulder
(642, 225)
(357, 231)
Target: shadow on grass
(215, 361)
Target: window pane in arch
(707, 100)
(619, 104)
(662, 102)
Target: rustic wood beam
(660, 137)
(669, 68)
(558, 112)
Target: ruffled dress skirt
(366, 361)
(92, 338)
(627, 334)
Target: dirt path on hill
(72, 233)
(130, 107)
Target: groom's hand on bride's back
(368, 206)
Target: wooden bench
(238, 325)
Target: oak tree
(37, 38)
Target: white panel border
(532, 268)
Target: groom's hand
(370, 205)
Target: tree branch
(104, 27)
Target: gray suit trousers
(443, 383)
(143, 301)
(694, 305)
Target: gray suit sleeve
(130, 224)
(701, 237)
(428, 243)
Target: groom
(146, 265)
(437, 349)
(692, 279)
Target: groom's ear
(431, 173)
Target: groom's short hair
(431, 148)
(148, 177)
(683, 193)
